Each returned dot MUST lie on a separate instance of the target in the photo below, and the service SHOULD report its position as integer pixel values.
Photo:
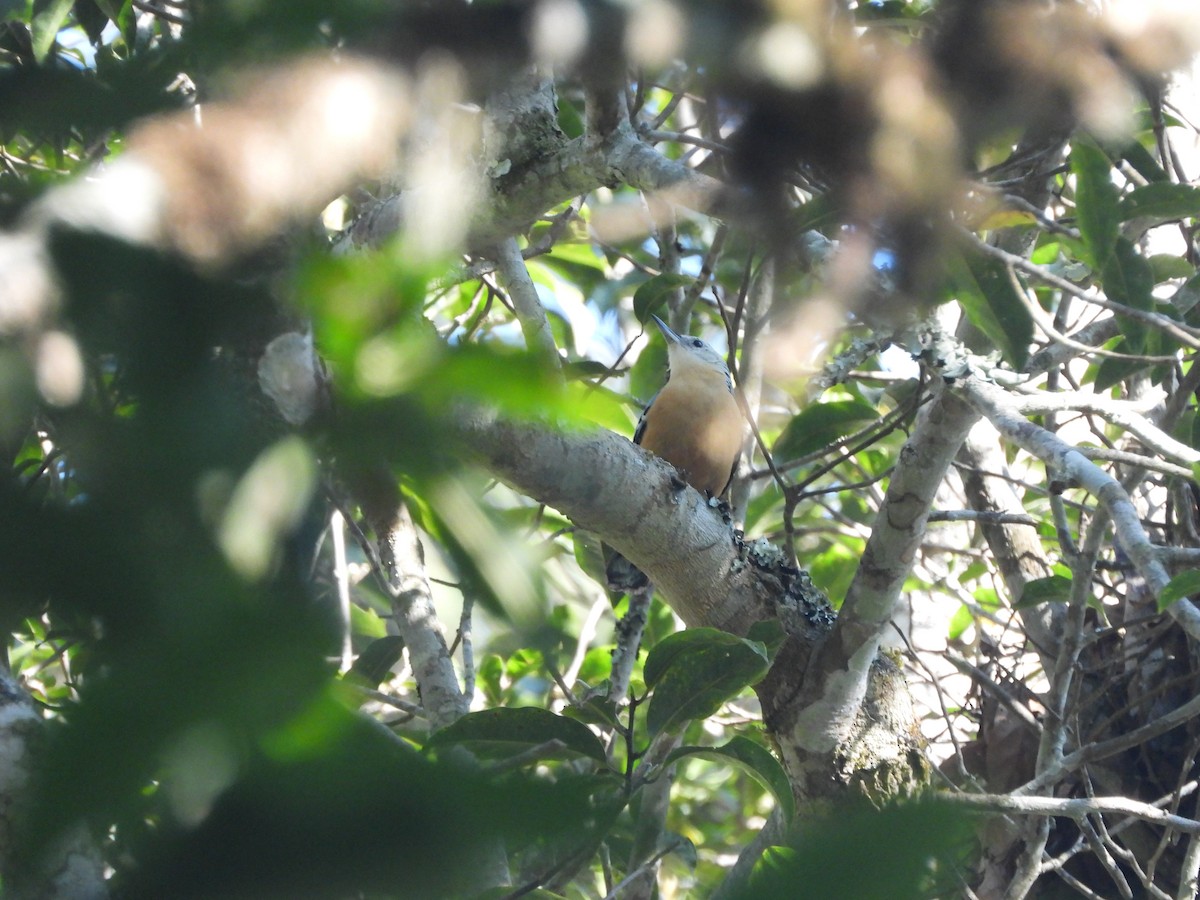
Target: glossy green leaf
(693, 672)
(1096, 201)
(651, 295)
(1162, 202)
(1185, 584)
(506, 732)
(754, 759)
(989, 298)
(820, 425)
(1051, 589)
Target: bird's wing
(732, 471)
(641, 425)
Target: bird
(694, 423)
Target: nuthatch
(694, 423)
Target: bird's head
(690, 353)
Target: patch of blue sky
(76, 39)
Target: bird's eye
(697, 342)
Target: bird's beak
(671, 336)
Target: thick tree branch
(659, 523)
(835, 695)
(417, 621)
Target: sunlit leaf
(1167, 266)
(959, 623)
(267, 505)
(649, 373)
(1185, 584)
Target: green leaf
(588, 554)
(1182, 585)
(756, 761)
(1166, 266)
(367, 622)
(819, 211)
(1052, 589)
(1129, 280)
(769, 633)
(653, 293)
(1187, 298)
(375, 662)
(111, 8)
(46, 25)
(1162, 202)
(820, 425)
(693, 672)
(1112, 370)
(1096, 201)
(988, 296)
(596, 710)
(1144, 163)
(506, 732)
(959, 623)
(649, 373)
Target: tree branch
(1074, 808)
(836, 693)
(539, 340)
(417, 621)
(71, 865)
(994, 403)
(660, 524)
